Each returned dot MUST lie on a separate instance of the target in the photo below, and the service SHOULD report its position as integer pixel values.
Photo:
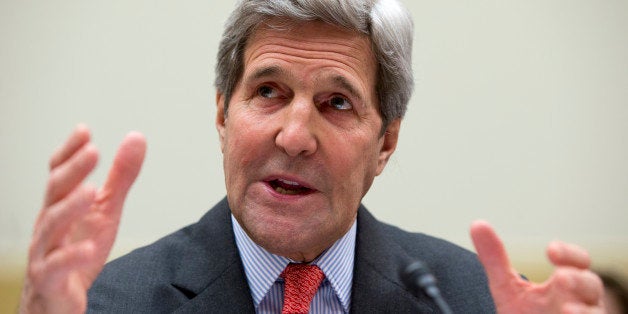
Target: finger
(126, 167)
(492, 255)
(565, 254)
(59, 220)
(577, 285)
(67, 176)
(79, 137)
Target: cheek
(244, 142)
(354, 168)
(238, 155)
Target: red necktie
(301, 283)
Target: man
(310, 97)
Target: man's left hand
(572, 288)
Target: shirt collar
(262, 268)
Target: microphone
(418, 277)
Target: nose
(297, 134)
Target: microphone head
(417, 276)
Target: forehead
(311, 43)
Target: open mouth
(288, 187)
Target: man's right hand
(77, 224)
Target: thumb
(126, 166)
(493, 256)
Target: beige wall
(519, 117)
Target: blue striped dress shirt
(263, 268)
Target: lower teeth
(284, 191)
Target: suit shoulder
(164, 275)
(140, 278)
(458, 271)
(419, 243)
(443, 256)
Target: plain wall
(519, 116)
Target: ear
(389, 144)
(220, 118)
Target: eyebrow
(344, 83)
(267, 71)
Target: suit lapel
(377, 284)
(210, 273)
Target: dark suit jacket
(198, 270)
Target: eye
(267, 91)
(340, 103)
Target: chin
(293, 241)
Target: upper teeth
(288, 182)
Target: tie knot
(302, 272)
(301, 283)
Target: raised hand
(572, 288)
(77, 224)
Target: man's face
(302, 138)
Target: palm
(531, 298)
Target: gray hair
(386, 22)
